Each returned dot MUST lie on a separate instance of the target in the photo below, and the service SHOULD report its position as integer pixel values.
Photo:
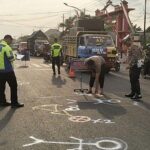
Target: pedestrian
(7, 73)
(134, 54)
(56, 52)
(147, 60)
(96, 64)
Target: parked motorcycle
(117, 63)
(142, 71)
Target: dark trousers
(101, 77)
(56, 61)
(10, 78)
(146, 67)
(134, 74)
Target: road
(57, 118)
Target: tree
(68, 23)
(148, 29)
(137, 28)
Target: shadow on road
(58, 81)
(145, 105)
(108, 110)
(4, 121)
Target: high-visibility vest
(6, 54)
(56, 50)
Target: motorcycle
(47, 57)
(117, 63)
(142, 71)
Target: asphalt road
(57, 118)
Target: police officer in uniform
(134, 55)
(7, 73)
(56, 52)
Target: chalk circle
(112, 101)
(79, 118)
(114, 144)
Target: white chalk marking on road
(73, 108)
(52, 108)
(79, 119)
(45, 65)
(45, 97)
(117, 144)
(107, 101)
(82, 94)
(23, 83)
(140, 106)
(36, 65)
(102, 121)
(71, 101)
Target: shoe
(136, 96)
(129, 95)
(5, 104)
(17, 105)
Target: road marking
(79, 119)
(71, 101)
(103, 143)
(107, 101)
(36, 65)
(73, 108)
(45, 65)
(102, 121)
(23, 83)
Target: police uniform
(7, 74)
(134, 55)
(56, 53)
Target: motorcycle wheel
(117, 67)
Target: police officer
(147, 60)
(56, 52)
(134, 55)
(96, 64)
(7, 73)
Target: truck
(22, 47)
(37, 47)
(88, 38)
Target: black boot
(17, 105)
(129, 95)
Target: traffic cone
(71, 73)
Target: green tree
(148, 29)
(68, 23)
(136, 29)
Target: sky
(23, 17)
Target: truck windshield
(105, 41)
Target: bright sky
(22, 17)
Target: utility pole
(145, 24)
